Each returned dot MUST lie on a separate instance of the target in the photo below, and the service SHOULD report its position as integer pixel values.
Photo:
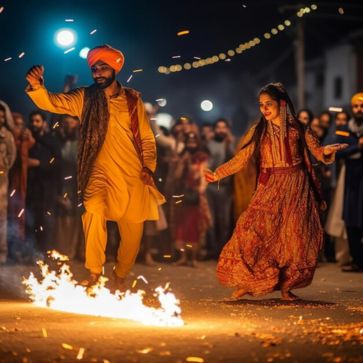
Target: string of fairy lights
(241, 48)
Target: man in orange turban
(116, 158)
(108, 55)
(357, 98)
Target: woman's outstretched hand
(333, 148)
(209, 176)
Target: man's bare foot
(238, 293)
(288, 296)
(117, 283)
(91, 281)
(149, 261)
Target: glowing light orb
(65, 37)
(206, 105)
(83, 53)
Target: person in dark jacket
(43, 184)
(353, 193)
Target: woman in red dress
(192, 214)
(276, 242)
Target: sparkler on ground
(60, 291)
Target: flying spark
(183, 32)
(69, 50)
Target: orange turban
(111, 56)
(357, 97)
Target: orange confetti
(342, 133)
(145, 351)
(195, 359)
(183, 32)
(80, 353)
(67, 346)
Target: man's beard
(219, 137)
(71, 134)
(358, 117)
(107, 81)
(36, 132)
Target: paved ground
(326, 327)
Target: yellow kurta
(115, 190)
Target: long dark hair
(278, 93)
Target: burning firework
(58, 290)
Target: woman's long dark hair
(278, 93)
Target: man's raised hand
(35, 76)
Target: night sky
(146, 31)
